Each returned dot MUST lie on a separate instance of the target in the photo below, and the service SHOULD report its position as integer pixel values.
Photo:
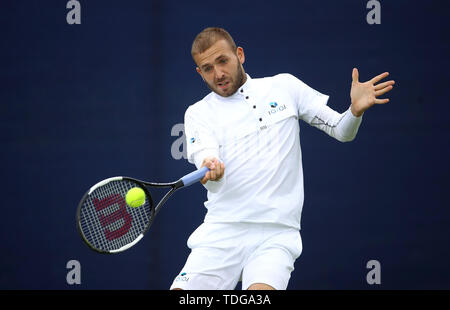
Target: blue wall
(79, 103)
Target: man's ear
(199, 72)
(240, 54)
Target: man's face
(221, 68)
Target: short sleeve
(308, 101)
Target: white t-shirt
(255, 132)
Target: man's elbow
(345, 138)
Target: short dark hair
(208, 37)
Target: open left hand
(364, 95)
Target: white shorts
(222, 254)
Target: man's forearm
(341, 126)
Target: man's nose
(218, 74)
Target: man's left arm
(344, 126)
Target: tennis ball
(135, 197)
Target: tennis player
(247, 132)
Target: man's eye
(207, 69)
(222, 61)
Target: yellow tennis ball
(135, 197)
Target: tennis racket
(108, 225)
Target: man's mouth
(223, 85)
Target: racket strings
(106, 221)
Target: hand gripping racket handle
(194, 176)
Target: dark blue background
(79, 103)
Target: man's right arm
(203, 149)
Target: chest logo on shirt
(274, 108)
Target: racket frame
(187, 180)
(174, 186)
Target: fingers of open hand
(381, 89)
(384, 85)
(355, 75)
(365, 94)
(381, 101)
(379, 77)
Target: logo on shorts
(273, 104)
(182, 277)
(192, 140)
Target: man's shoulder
(200, 106)
(280, 79)
(276, 77)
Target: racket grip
(194, 176)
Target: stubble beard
(238, 80)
